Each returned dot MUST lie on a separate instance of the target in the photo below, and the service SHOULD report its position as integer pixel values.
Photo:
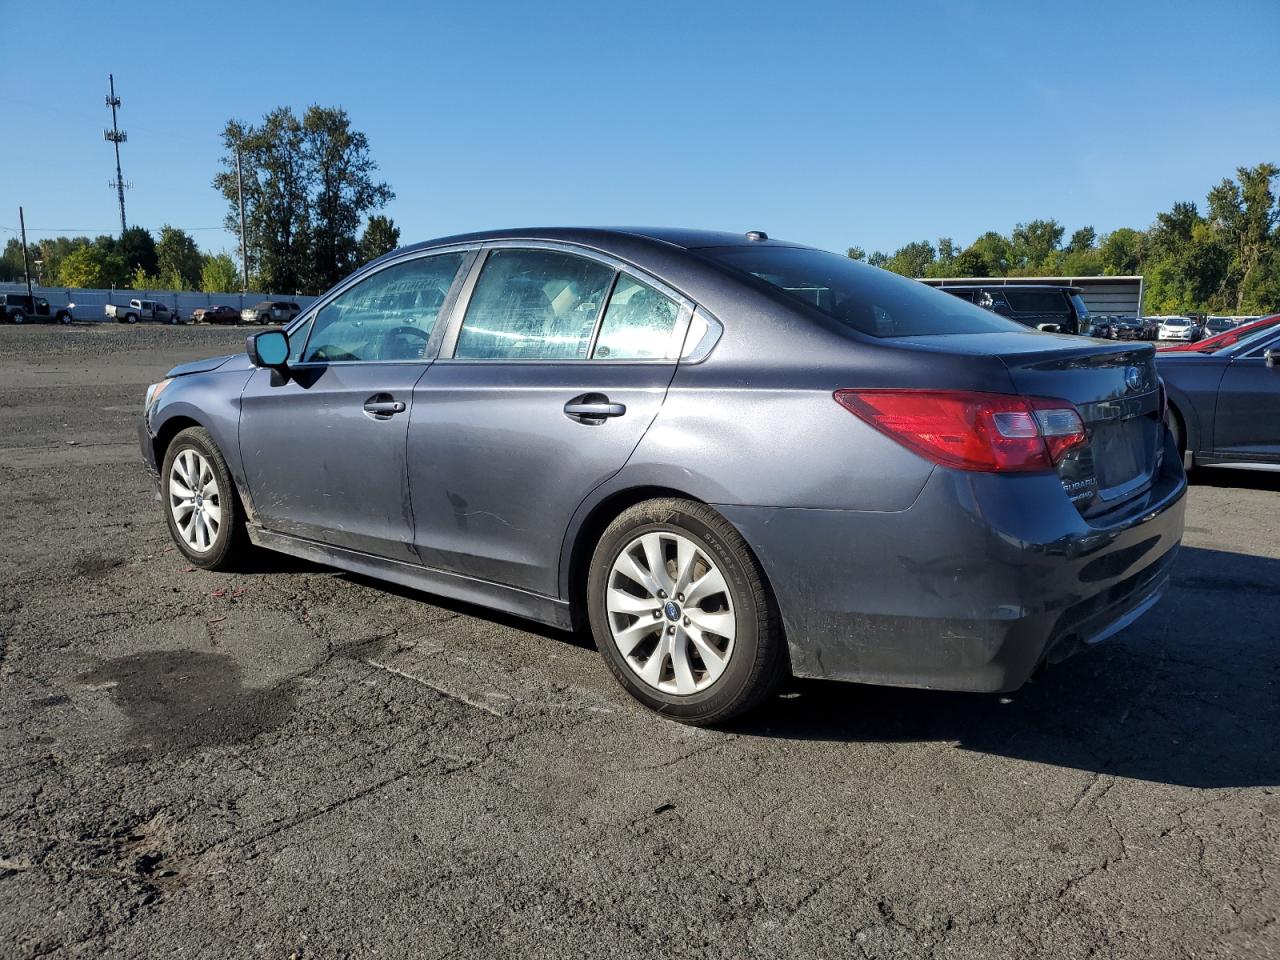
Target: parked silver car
(732, 457)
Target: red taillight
(967, 430)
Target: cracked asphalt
(294, 762)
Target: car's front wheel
(681, 613)
(18, 316)
(205, 519)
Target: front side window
(864, 298)
(638, 323)
(387, 316)
(533, 305)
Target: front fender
(211, 400)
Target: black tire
(231, 543)
(758, 658)
(64, 318)
(18, 316)
(1178, 430)
(130, 318)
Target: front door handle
(382, 406)
(593, 408)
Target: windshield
(1036, 301)
(866, 298)
(1176, 322)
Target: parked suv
(1055, 309)
(19, 308)
(271, 311)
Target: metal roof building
(1104, 295)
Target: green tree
(11, 266)
(381, 235)
(1032, 245)
(878, 258)
(995, 253)
(1083, 239)
(137, 248)
(276, 196)
(913, 259)
(219, 274)
(1246, 214)
(94, 265)
(178, 259)
(342, 174)
(857, 253)
(1121, 252)
(308, 184)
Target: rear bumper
(982, 581)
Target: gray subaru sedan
(734, 458)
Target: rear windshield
(866, 298)
(1037, 301)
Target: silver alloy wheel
(670, 613)
(194, 500)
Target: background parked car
(1051, 308)
(1215, 325)
(1150, 328)
(137, 310)
(19, 308)
(1224, 400)
(1128, 328)
(1230, 337)
(1177, 328)
(271, 311)
(216, 314)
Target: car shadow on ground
(1242, 479)
(1189, 696)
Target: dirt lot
(297, 762)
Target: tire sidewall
(732, 686)
(198, 439)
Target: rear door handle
(593, 408)
(382, 406)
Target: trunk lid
(1116, 390)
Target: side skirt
(455, 586)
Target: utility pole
(116, 136)
(26, 264)
(244, 256)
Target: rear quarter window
(1036, 301)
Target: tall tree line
(1224, 260)
(308, 184)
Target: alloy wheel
(195, 500)
(670, 613)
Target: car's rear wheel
(64, 318)
(204, 516)
(18, 316)
(130, 318)
(681, 613)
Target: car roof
(1009, 286)
(684, 238)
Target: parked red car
(219, 314)
(1225, 339)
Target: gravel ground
(298, 762)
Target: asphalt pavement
(296, 762)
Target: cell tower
(116, 136)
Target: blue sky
(829, 123)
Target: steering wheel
(390, 336)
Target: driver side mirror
(1272, 356)
(269, 349)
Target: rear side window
(638, 323)
(386, 316)
(533, 305)
(1037, 301)
(865, 298)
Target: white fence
(90, 304)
